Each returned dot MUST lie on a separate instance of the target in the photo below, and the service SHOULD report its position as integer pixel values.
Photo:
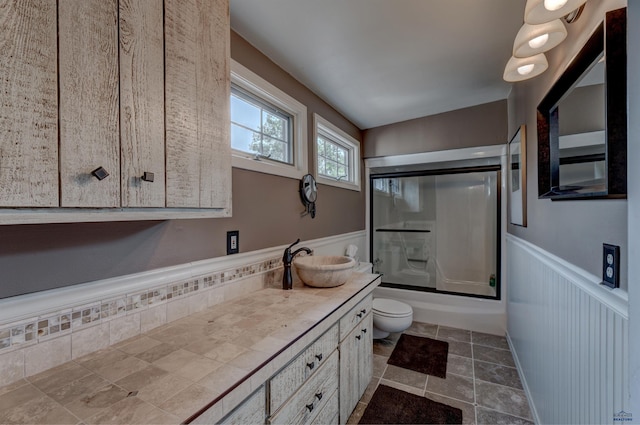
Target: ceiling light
(519, 69)
(541, 11)
(534, 39)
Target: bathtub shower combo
(438, 230)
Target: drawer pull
(319, 396)
(319, 357)
(359, 314)
(358, 336)
(100, 173)
(310, 407)
(364, 330)
(311, 365)
(363, 311)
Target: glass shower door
(437, 231)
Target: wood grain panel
(142, 102)
(213, 76)
(89, 130)
(28, 104)
(197, 103)
(183, 161)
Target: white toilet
(390, 316)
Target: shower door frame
(436, 172)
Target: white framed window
(336, 154)
(268, 127)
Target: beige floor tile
(163, 389)
(39, 410)
(198, 369)
(176, 360)
(453, 386)
(96, 401)
(497, 374)
(225, 352)
(383, 347)
(138, 345)
(130, 410)
(491, 417)
(141, 378)
(405, 377)
(459, 365)
(422, 329)
(157, 352)
(453, 334)
(493, 355)
(58, 377)
(120, 369)
(77, 388)
(188, 401)
(379, 365)
(503, 399)
(489, 340)
(357, 414)
(462, 349)
(402, 387)
(18, 396)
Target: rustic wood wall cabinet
(138, 87)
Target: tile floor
(481, 376)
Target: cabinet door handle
(100, 173)
(319, 357)
(358, 337)
(364, 330)
(310, 407)
(311, 365)
(359, 314)
(363, 311)
(319, 395)
(147, 177)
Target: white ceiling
(384, 61)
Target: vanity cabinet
(143, 94)
(356, 356)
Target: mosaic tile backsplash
(24, 333)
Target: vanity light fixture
(542, 31)
(541, 11)
(519, 69)
(534, 39)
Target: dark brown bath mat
(421, 354)
(391, 406)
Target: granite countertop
(172, 372)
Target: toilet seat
(391, 308)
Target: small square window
(337, 156)
(268, 127)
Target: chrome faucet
(287, 280)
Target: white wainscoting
(569, 335)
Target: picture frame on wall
(517, 177)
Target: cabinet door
(365, 354)
(349, 369)
(29, 104)
(142, 102)
(197, 103)
(89, 122)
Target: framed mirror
(582, 121)
(517, 177)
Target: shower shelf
(404, 230)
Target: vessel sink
(324, 271)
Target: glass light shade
(519, 69)
(531, 39)
(535, 11)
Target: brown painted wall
(481, 125)
(266, 211)
(572, 230)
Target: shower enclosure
(438, 230)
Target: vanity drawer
(289, 379)
(310, 400)
(355, 316)
(329, 413)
